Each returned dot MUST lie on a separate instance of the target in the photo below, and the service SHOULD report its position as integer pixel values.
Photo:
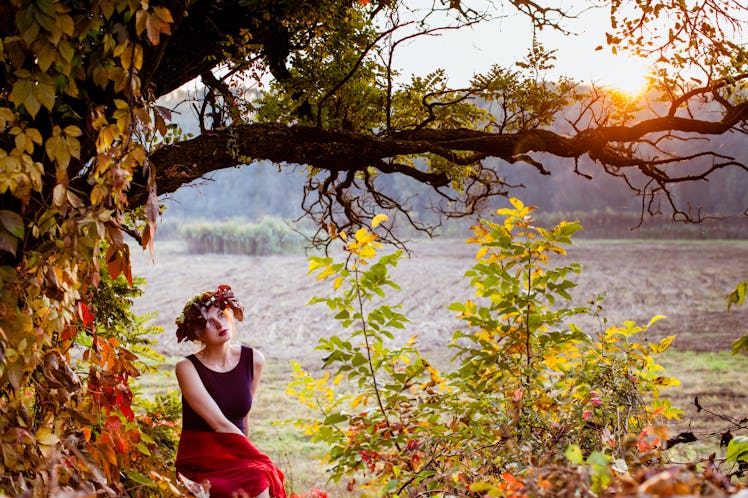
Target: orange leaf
(118, 262)
(512, 481)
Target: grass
(716, 381)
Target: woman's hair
(192, 318)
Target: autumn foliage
(83, 143)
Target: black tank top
(230, 390)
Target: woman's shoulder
(255, 354)
(184, 363)
(186, 359)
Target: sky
(475, 49)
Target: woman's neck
(217, 355)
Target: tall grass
(268, 236)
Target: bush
(529, 389)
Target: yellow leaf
(655, 319)
(140, 19)
(98, 194)
(665, 343)
(46, 437)
(153, 26)
(73, 146)
(21, 91)
(138, 62)
(45, 56)
(105, 139)
(367, 252)
(44, 92)
(361, 235)
(338, 282)
(314, 264)
(62, 155)
(59, 195)
(666, 381)
(138, 153)
(518, 204)
(66, 25)
(163, 14)
(325, 273)
(379, 219)
(72, 131)
(6, 116)
(20, 142)
(35, 173)
(66, 49)
(33, 135)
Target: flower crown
(192, 317)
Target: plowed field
(686, 281)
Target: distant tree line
(605, 207)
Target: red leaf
(69, 332)
(85, 315)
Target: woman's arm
(257, 366)
(200, 400)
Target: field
(685, 280)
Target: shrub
(526, 385)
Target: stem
(365, 330)
(527, 317)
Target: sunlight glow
(626, 74)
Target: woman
(218, 384)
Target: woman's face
(219, 325)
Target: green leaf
(597, 458)
(574, 454)
(12, 222)
(740, 345)
(737, 449)
(335, 418)
(139, 478)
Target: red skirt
(229, 462)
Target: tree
(85, 149)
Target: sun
(627, 74)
